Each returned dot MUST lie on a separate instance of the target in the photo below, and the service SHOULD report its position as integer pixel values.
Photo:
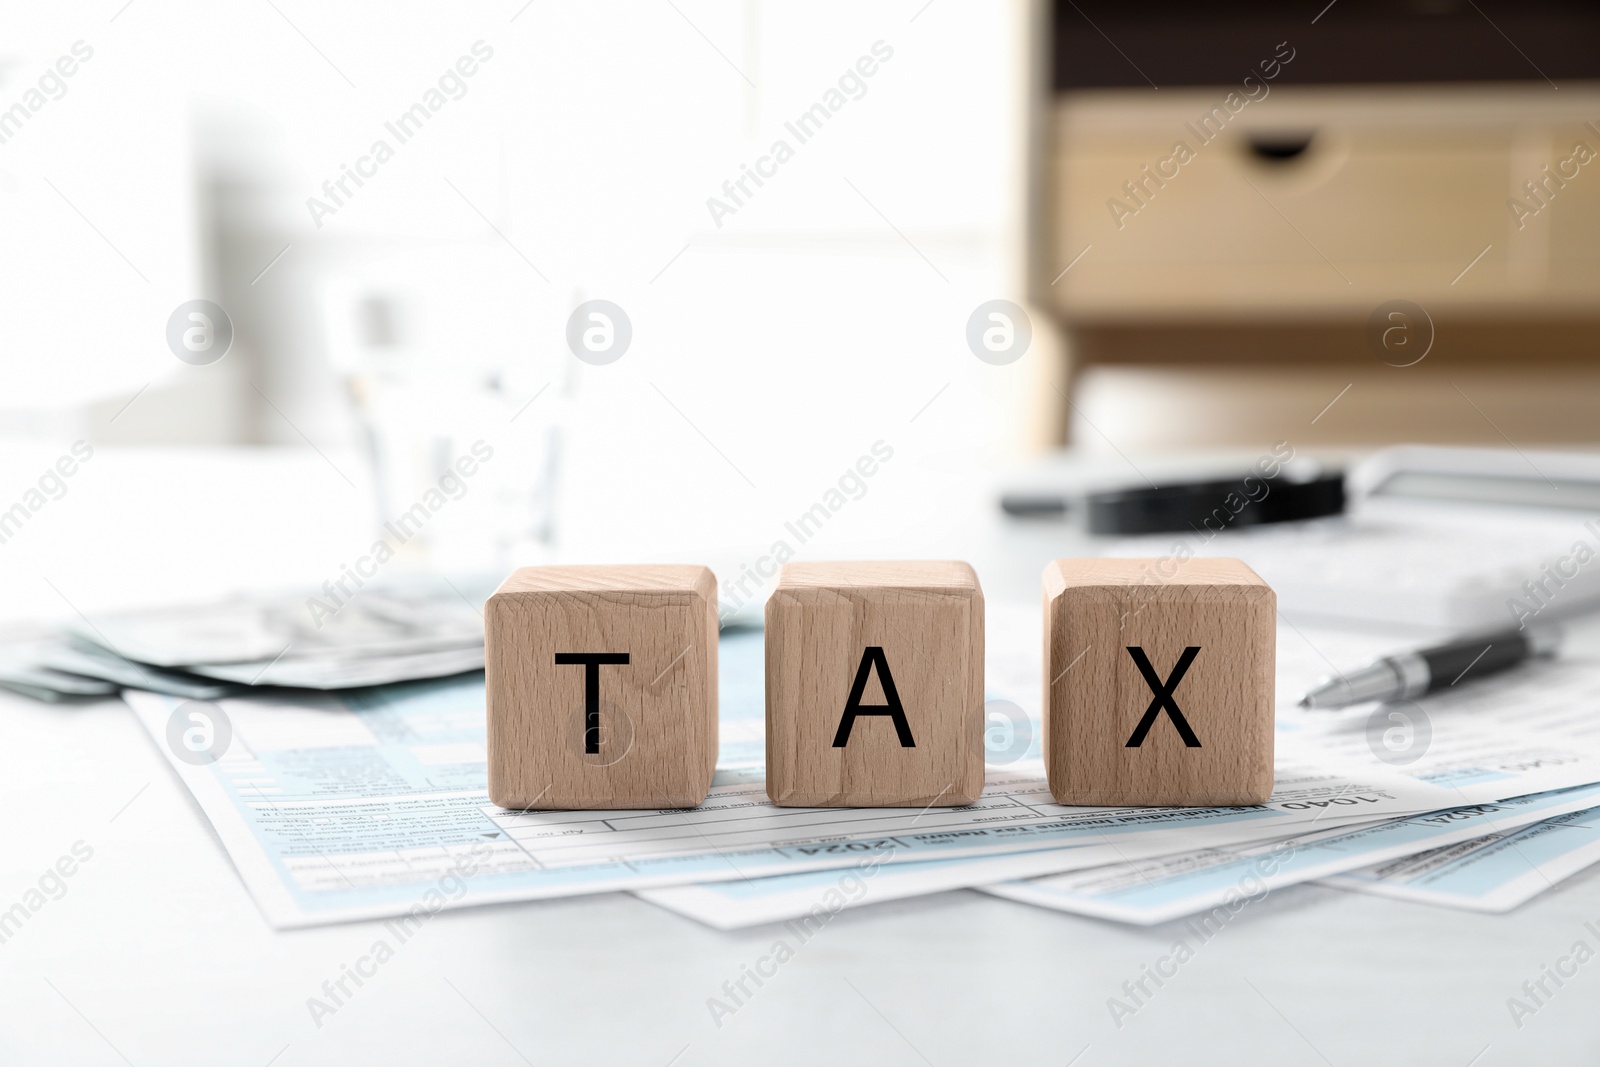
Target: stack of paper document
(1516, 761)
(373, 803)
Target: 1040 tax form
(344, 812)
(373, 803)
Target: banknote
(423, 616)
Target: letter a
(873, 656)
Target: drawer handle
(1280, 147)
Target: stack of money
(391, 633)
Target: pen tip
(1305, 701)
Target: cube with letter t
(875, 685)
(1158, 682)
(602, 687)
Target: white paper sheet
(374, 803)
(1224, 881)
(1481, 749)
(733, 905)
(343, 806)
(1495, 873)
(350, 808)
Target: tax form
(1214, 879)
(1147, 882)
(1504, 738)
(371, 803)
(1536, 725)
(1494, 873)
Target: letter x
(1163, 696)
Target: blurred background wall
(1382, 227)
(400, 302)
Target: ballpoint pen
(1410, 674)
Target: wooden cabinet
(1398, 193)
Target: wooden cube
(875, 685)
(602, 687)
(1158, 682)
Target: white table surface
(156, 955)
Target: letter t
(591, 690)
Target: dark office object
(1214, 505)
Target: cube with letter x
(602, 687)
(1158, 681)
(875, 685)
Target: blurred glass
(456, 406)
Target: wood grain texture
(927, 617)
(1096, 697)
(1204, 246)
(657, 740)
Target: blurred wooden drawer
(1394, 194)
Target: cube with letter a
(1158, 682)
(602, 687)
(875, 685)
